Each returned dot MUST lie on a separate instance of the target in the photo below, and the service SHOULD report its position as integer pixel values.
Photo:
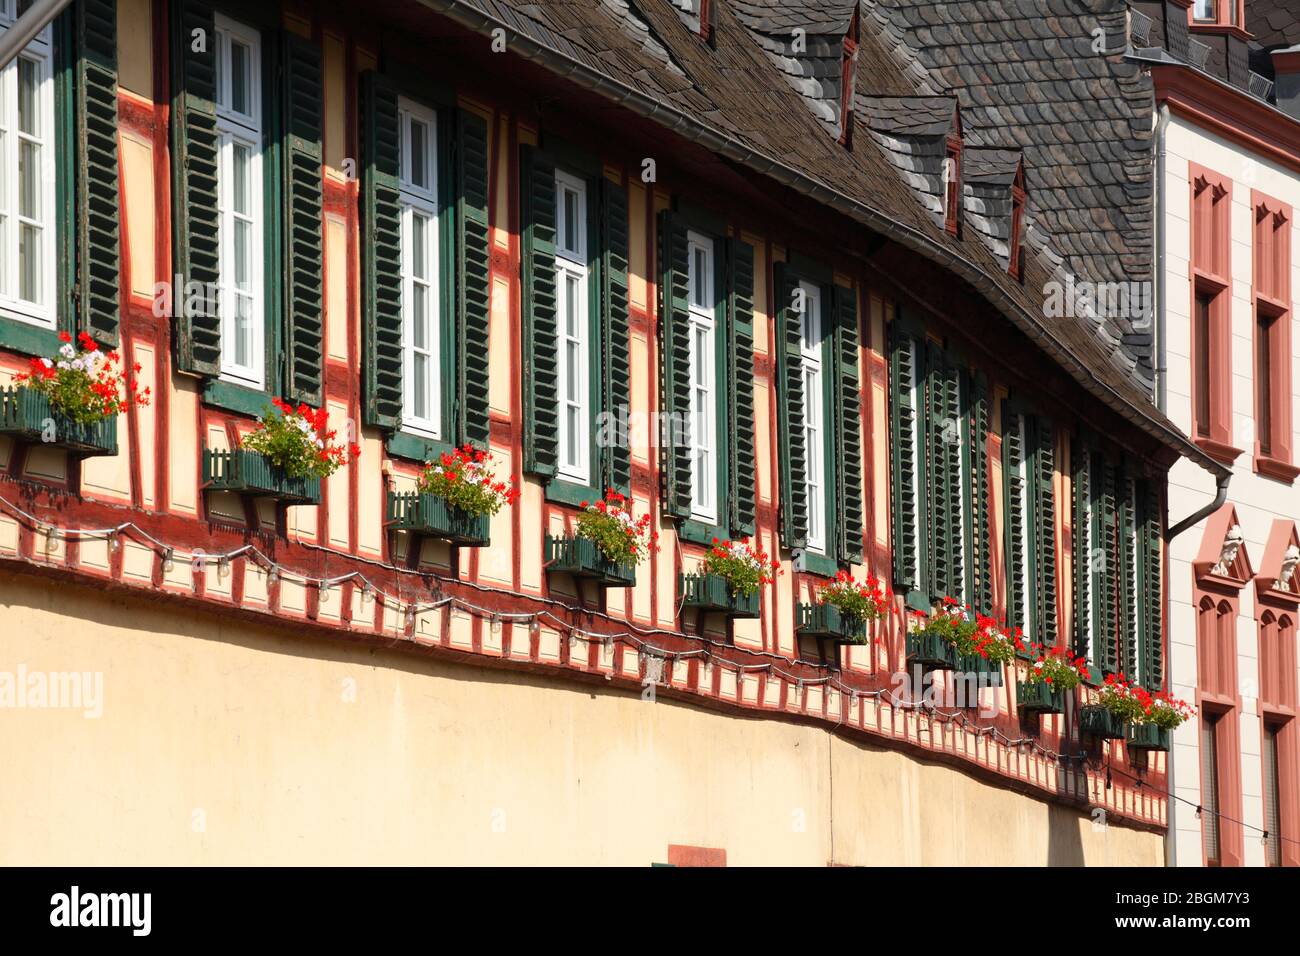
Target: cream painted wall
(1258, 500)
(225, 743)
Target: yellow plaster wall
(221, 742)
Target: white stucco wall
(1258, 500)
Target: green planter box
(990, 671)
(1100, 722)
(826, 620)
(581, 557)
(1040, 698)
(250, 473)
(712, 592)
(1147, 737)
(930, 651)
(431, 516)
(24, 413)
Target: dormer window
(848, 70)
(1017, 219)
(1219, 13)
(952, 183)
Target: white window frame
(703, 404)
(40, 51)
(814, 414)
(420, 201)
(245, 129)
(571, 263)
(914, 427)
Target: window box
(931, 651)
(1100, 722)
(826, 620)
(25, 411)
(431, 516)
(712, 592)
(1147, 737)
(1040, 698)
(581, 558)
(989, 671)
(251, 473)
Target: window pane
(420, 385)
(570, 220)
(419, 267)
(419, 137)
(419, 315)
(29, 260)
(571, 317)
(1210, 789)
(243, 244)
(240, 187)
(243, 331)
(240, 77)
(1272, 796)
(28, 119)
(29, 172)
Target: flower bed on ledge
(828, 621)
(25, 413)
(252, 473)
(430, 515)
(582, 558)
(712, 592)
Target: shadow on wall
(1064, 839)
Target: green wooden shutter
(674, 317)
(980, 564)
(944, 449)
(472, 279)
(1044, 533)
(97, 245)
(541, 322)
(907, 479)
(194, 183)
(1152, 579)
(790, 411)
(1108, 590)
(1129, 585)
(740, 330)
(1014, 441)
(381, 254)
(617, 452)
(1081, 521)
(848, 485)
(304, 281)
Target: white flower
(47, 363)
(67, 351)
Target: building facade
(1228, 180)
(540, 232)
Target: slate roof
(1029, 80)
(726, 100)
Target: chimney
(1286, 87)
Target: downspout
(1158, 285)
(25, 28)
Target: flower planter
(989, 672)
(826, 620)
(712, 592)
(931, 651)
(1040, 698)
(25, 412)
(431, 516)
(1100, 722)
(1147, 737)
(582, 558)
(251, 473)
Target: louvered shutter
(907, 475)
(1108, 585)
(97, 245)
(540, 319)
(381, 254)
(945, 493)
(675, 334)
(1152, 579)
(740, 332)
(617, 363)
(848, 475)
(472, 278)
(980, 563)
(1014, 474)
(1129, 589)
(304, 329)
(1044, 533)
(1081, 522)
(790, 411)
(194, 185)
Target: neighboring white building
(1228, 189)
